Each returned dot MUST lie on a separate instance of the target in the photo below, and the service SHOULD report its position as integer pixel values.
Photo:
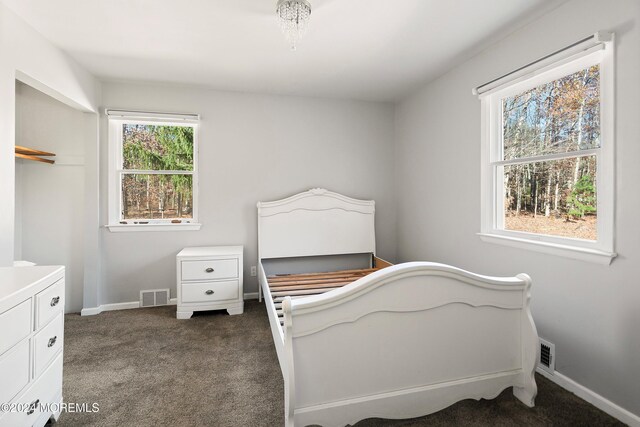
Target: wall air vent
(547, 360)
(154, 297)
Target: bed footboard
(407, 341)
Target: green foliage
(582, 199)
(158, 148)
(151, 147)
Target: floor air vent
(154, 297)
(547, 356)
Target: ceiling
(362, 49)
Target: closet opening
(50, 173)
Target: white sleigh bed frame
(402, 342)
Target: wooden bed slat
(316, 280)
(295, 287)
(280, 277)
(312, 283)
(304, 292)
(308, 284)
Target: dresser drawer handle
(52, 341)
(33, 406)
(209, 292)
(55, 301)
(209, 270)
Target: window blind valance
(151, 115)
(585, 46)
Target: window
(153, 171)
(548, 158)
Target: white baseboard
(250, 295)
(92, 311)
(592, 397)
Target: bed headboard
(316, 222)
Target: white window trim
(600, 251)
(116, 119)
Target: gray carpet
(146, 368)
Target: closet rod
(32, 152)
(34, 158)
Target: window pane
(557, 117)
(150, 147)
(556, 197)
(157, 196)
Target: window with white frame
(548, 156)
(152, 171)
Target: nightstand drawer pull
(209, 292)
(52, 341)
(209, 270)
(55, 301)
(33, 406)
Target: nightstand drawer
(15, 324)
(210, 291)
(210, 269)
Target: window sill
(583, 254)
(124, 228)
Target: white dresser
(31, 343)
(209, 278)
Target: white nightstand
(209, 278)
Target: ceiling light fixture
(294, 19)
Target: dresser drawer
(210, 270)
(49, 302)
(15, 324)
(208, 292)
(45, 390)
(14, 371)
(48, 342)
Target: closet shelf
(32, 154)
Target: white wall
(26, 55)
(252, 148)
(50, 198)
(589, 311)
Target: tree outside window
(157, 172)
